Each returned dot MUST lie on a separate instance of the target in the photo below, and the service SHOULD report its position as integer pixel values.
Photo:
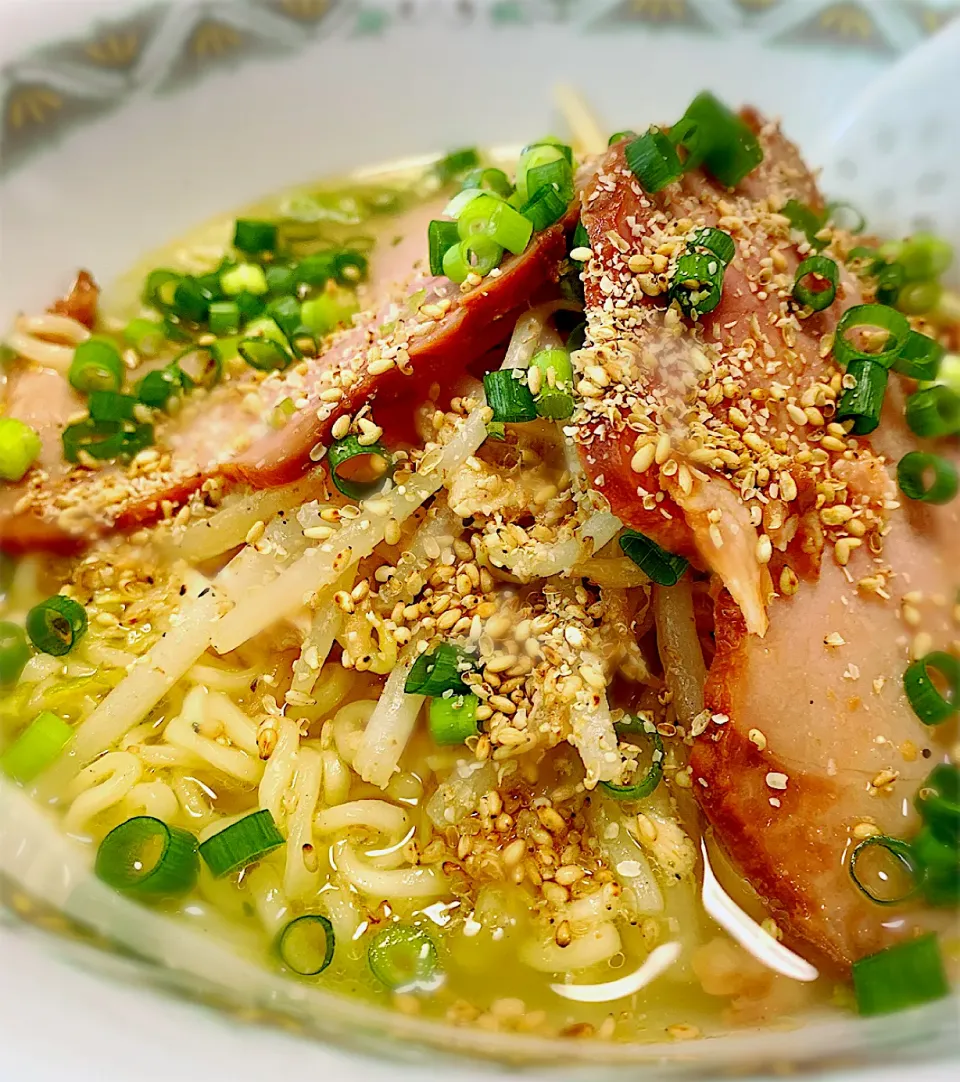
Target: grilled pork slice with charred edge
(432, 331)
(715, 438)
(694, 433)
(818, 744)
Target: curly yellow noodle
(99, 786)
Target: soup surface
(431, 584)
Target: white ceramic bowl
(125, 123)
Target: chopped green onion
(245, 278)
(581, 238)
(270, 351)
(817, 268)
(935, 851)
(533, 157)
(224, 317)
(403, 958)
(863, 402)
(285, 312)
(653, 160)
(20, 447)
(56, 625)
(159, 386)
(803, 219)
(461, 201)
(920, 357)
(441, 671)
(489, 180)
(554, 404)
(557, 176)
(554, 399)
(190, 300)
(225, 349)
(912, 475)
(697, 283)
(36, 748)
(316, 269)
(241, 844)
(900, 977)
(332, 308)
(556, 367)
(508, 397)
(868, 258)
(306, 944)
(924, 256)
(545, 208)
(938, 801)
(441, 236)
(714, 240)
(478, 254)
(198, 367)
(498, 220)
(556, 143)
(145, 858)
(452, 719)
(96, 366)
(890, 280)
(105, 440)
(619, 136)
(882, 319)
(930, 705)
(253, 235)
(146, 336)
(717, 139)
(356, 469)
(916, 298)
(281, 278)
(882, 883)
(649, 781)
(939, 856)
(350, 267)
(14, 652)
(111, 406)
(663, 567)
(160, 286)
(456, 164)
(250, 306)
(934, 412)
(840, 209)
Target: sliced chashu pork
(430, 330)
(821, 738)
(720, 392)
(816, 703)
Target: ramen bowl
(127, 124)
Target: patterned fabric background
(162, 46)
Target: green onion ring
(930, 706)
(933, 412)
(649, 782)
(870, 315)
(56, 625)
(911, 477)
(346, 450)
(818, 266)
(901, 852)
(298, 948)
